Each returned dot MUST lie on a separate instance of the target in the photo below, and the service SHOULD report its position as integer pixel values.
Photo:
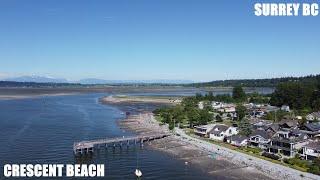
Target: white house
(217, 105)
(220, 132)
(201, 105)
(260, 138)
(203, 130)
(238, 140)
(311, 150)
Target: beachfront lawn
(251, 150)
(312, 167)
(255, 152)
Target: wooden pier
(86, 147)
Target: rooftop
(261, 133)
(238, 138)
(217, 129)
(313, 126)
(313, 145)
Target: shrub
(271, 156)
(314, 169)
(253, 150)
(171, 126)
(297, 162)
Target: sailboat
(138, 173)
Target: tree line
(273, 82)
(297, 95)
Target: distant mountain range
(44, 79)
(37, 79)
(156, 81)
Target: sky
(199, 40)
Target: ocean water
(43, 130)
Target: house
(201, 105)
(315, 116)
(226, 108)
(311, 129)
(287, 142)
(288, 123)
(238, 140)
(285, 108)
(311, 150)
(204, 130)
(259, 138)
(257, 114)
(273, 128)
(230, 109)
(259, 123)
(220, 132)
(270, 109)
(217, 105)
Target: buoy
(186, 163)
(138, 173)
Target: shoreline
(120, 99)
(15, 97)
(211, 158)
(211, 163)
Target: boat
(138, 173)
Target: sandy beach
(9, 97)
(141, 99)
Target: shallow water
(43, 130)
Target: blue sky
(198, 40)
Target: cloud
(3, 75)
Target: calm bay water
(42, 130)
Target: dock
(86, 147)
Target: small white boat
(138, 173)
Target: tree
(276, 115)
(241, 111)
(238, 93)
(316, 104)
(199, 96)
(193, 116)
(315, 100)
(210, 96)
(223, 98)
(296, 95)
(205, 117)
(258, 98)
(178, 114)
(167, 117)
(218, 118)
(245, 127)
